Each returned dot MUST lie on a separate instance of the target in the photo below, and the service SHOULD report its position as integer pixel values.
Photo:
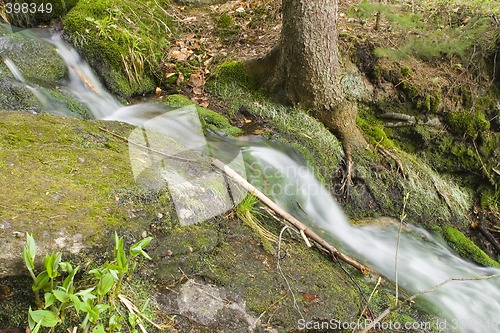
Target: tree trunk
(304, 69)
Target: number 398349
(25, 8)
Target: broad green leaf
(86, 294)
(102, 307)
(105, 284)
(31, 247)
(114, 322)
(68, 281)
(52, 264)
(113, 272)
(41, 281)
(61, 295)
(120, 256)
(77, 303)
(138, 248)
(66, 267)
(93, 313)
(44, 317)
(99, 329)
(31, 322)
(49, 299)
(29, 252)
(97, 272)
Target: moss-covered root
(466, 248)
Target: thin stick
(401, 219)
(367, 306)
(278, 255)
(412, 298)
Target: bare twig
(413, 297)
(278, 255)
(287, 216)
(367, 306)
(401, 219)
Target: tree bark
(304, 69)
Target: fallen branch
(303, 230)
(488, 236)
(287, 216)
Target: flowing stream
(470, 303)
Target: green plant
(250, 214)
(95, 299)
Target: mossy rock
(36, 59)
(467, 123)
(234, 71)
(62, 176)
(466, 248)
(124, 41)
(209, 119)
(15, 96)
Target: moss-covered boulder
(70, 184)
(29, 77)
(466, 248)
(61, 178)
(36, 59)
(124, 41)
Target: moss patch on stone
(36, 59)
(467, 123)
(123, 40)
(61, 176)
(466, 248)
(209, 119)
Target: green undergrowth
(209, 119)
(123, 40)
(438, 30)
(232, 83)
(466, 248)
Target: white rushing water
(423, 261)
(470, 306)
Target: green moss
(226, 28)
(409, 90)
(467, 123)
(466, 248)
(234, 72)
(374, 129)
(406, 71)
(71, 171)
(123, 40)
(490, 198)
(431, 103)
(209, 119)
(36, 59)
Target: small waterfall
(423, 261)
(83, 83)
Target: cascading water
(471, 304)
(423, 261)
